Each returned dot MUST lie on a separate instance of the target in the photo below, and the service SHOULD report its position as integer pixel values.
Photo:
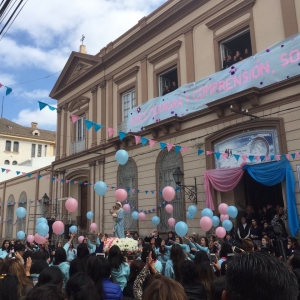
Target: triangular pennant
(272, 157)
(8, 90)
(236, 156)
(57, 180)
(251, 157)
(293, 155)
(1, 85)
(132, 190)
(162, 145)
(67, 180)
(42, 105)
(262, 157)
(244, 157)
(24, 173)
(75, 182)
(7, 171)
(169, 147)
(297, 154)
(122, 135)
(200, 151)
(62, 180)
(3, 170)
(224, 155)
(277, 157)
(29, 174)
(146, 192)
(151, 143)
(51, 107)
(177, 149)
(217, 154)
(97, 127)
(71, 181)
(267, 157)
(257, 157)
(288, 156)
(74, 118)
(283, 156)
(88, 124)
(209, 152)
(53, 178)
(18, 172)
(110, 132)
(36, 175)
(137, 139)
(184, 149)
(144, 141)
(40, 176)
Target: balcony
(77, 146)
(122, 126)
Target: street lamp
(190, 190)
(45, 198)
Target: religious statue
(117, 213)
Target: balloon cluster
(21, 213)
(208, 220)
(192, 210)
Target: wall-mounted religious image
(253, 142)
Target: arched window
(22, 203)
(6, 162)
(9, 216)
(166, 165)
(127, 180)
(14, 162)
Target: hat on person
(119, 203)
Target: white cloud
(35, 94)
(45, 118)
(7, 79)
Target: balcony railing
(122, 126)
(77, 146)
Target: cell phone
(101, 254)
(213, 258)
(147, 259)
(230, 256)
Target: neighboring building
(181, 42)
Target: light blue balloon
(21, 235)
(90, 215)
(42, 229)
(135, 215)
(181, 228)
(189, 216)
(21, 212)
(41, 220)
(227, 224)
(155, 220)
(62, 232)
(122, 157)
(215, 221)
(73, 229)
(207, 212)
(232, 212)
(100, 188)
(192, 210)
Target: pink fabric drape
(222, 180)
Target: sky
(42, 38)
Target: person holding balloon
(119, 231)
(93, 247)
(195, 246)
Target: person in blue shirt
(186, 249)
(145, 253)
(93, 247)
(71, 253)
(5, 249)
(177, 256)
(119, 267)
(196, 247)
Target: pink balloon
(142, 216)
(80, 239)
(220, 232)
(93, 226)
(224, 217)
(71, 205)
(126, 207)
(223, 208)
(168, 193)
(171, 222)
(30, 238)
(121, 195)
(206, 223)
(39, 239)
(58, 227)
(169, 208)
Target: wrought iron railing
(77, 146)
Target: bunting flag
(151, 143)
(217, 154)
(144, 141)
(184, 149)
(74, 118)
(122, 135)
(1, 85)
(42, 105)
(8, 90)
(97, 127)
(162, 145)
(177, 149)
(89, 124)
(200, 151)
(110, 132)
(236, 156)
(169, 147)
(137, 139)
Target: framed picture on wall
(298, 173)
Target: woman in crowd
(266, 245)
(119, 267)
(206, 276)
(170, 239)
(256, 233)
(202, 246)
(36, 269)
(71, 253)
(51, 275)
(80, 262)
(190, 281)
(4, 249)
(145, 253)
(176, 258)
(8, 287)
(212, 247)
(62, 263)
(248, 245)
(243, 231)
(292, 244)
(225, 250)
(45, 292)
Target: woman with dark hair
(36, 269)
(61, 262)
(51, 275)
(170, 239)
(256, 233)
(135, 268)
(225, 250)
(176, 258)
(46, 292)
(292, 244)
(206, 276)
(212, 247)
(8, 287)
(217, 287)
(71, 253)
(202, 246)
(5, 249)
(80, 262)
(146, 250)
(81, 287)
(120, 268)
(189, 275)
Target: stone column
(189, 53)
(94, 114)
(110, 113)
(65, 132)
(144, 79)
(58, 132)
(103, 111)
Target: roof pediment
(76, 67)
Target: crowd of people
(230, 60)
(172, 268)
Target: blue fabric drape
(272, 173)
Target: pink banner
(151, 143)
(74, 118)
(169, 147)
(222, 180)
(137, 139)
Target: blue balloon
(181, 228)
(21, 235)
(42, 229)
(232, 212)
(192, 210)
(227, 224)
(21, 212)
(73, 229)
(215, 221)
(207, 212)
(122, 157)
(155, 220)
(135, 215)
(41, 220)
(189, 216)
(100, 188)
(90, 215)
